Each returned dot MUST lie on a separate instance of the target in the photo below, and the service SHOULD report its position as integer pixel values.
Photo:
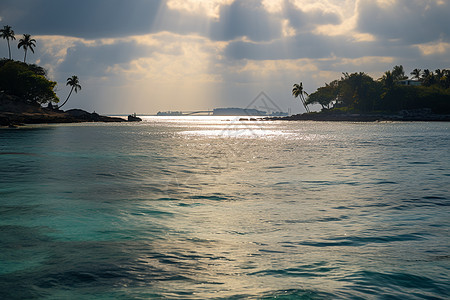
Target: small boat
(134, 118)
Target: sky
(146, 56)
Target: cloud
(247, 19)
(97, 59)
(82, 18)
(406, 21)
(117, 18)
(300, 46)
(130, 54)
(307, 20)
(313, 46)
(210, 7)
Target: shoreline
(14, 119)
(404, 117)
(14, 112)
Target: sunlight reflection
(237, 132)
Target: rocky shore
(405, 116)
(14, 112)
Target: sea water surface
(214, 208)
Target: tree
(445, 80)
(439, 74)
(398, 73)
(75, 84)
(8, 34)
(325, 95)
(27, 82)
(357, 91)
(298, 91)
(416, 73)
(387, 80)
(428, 77)
(26, 43)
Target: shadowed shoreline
(405, 116)
(15, 113)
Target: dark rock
(15, 111)
(134, 118)
(419, 115)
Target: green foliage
(358, 92)
(325, 95)
(398, 73)
(28, 82)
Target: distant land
(230, 111)
(413, 115)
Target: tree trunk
(9, 49)
(25, 57)
(304, 103)
(67, 97)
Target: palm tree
(439, 74)
(75, 84)
(398, 73)
(428, 77)
(416, 73)
(446, 79)
(387, 79)
(26, 42)
(298, 91)
(7, 33)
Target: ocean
(215, 208)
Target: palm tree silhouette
(26, 43)
(416, 73)
(8, 34)
(75, 84)
(428, 77)
(388, 79)
(298, 91)
(439, 74)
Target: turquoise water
(209, 208)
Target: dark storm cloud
(82, 18)
(118, 18)
(410, 21)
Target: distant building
(409, 82)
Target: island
(392, 97)
(27, 96)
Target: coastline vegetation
(75, 86)
(24, 88)
(28, 83)
(393, 92)
(8, 34)
(26, 43)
